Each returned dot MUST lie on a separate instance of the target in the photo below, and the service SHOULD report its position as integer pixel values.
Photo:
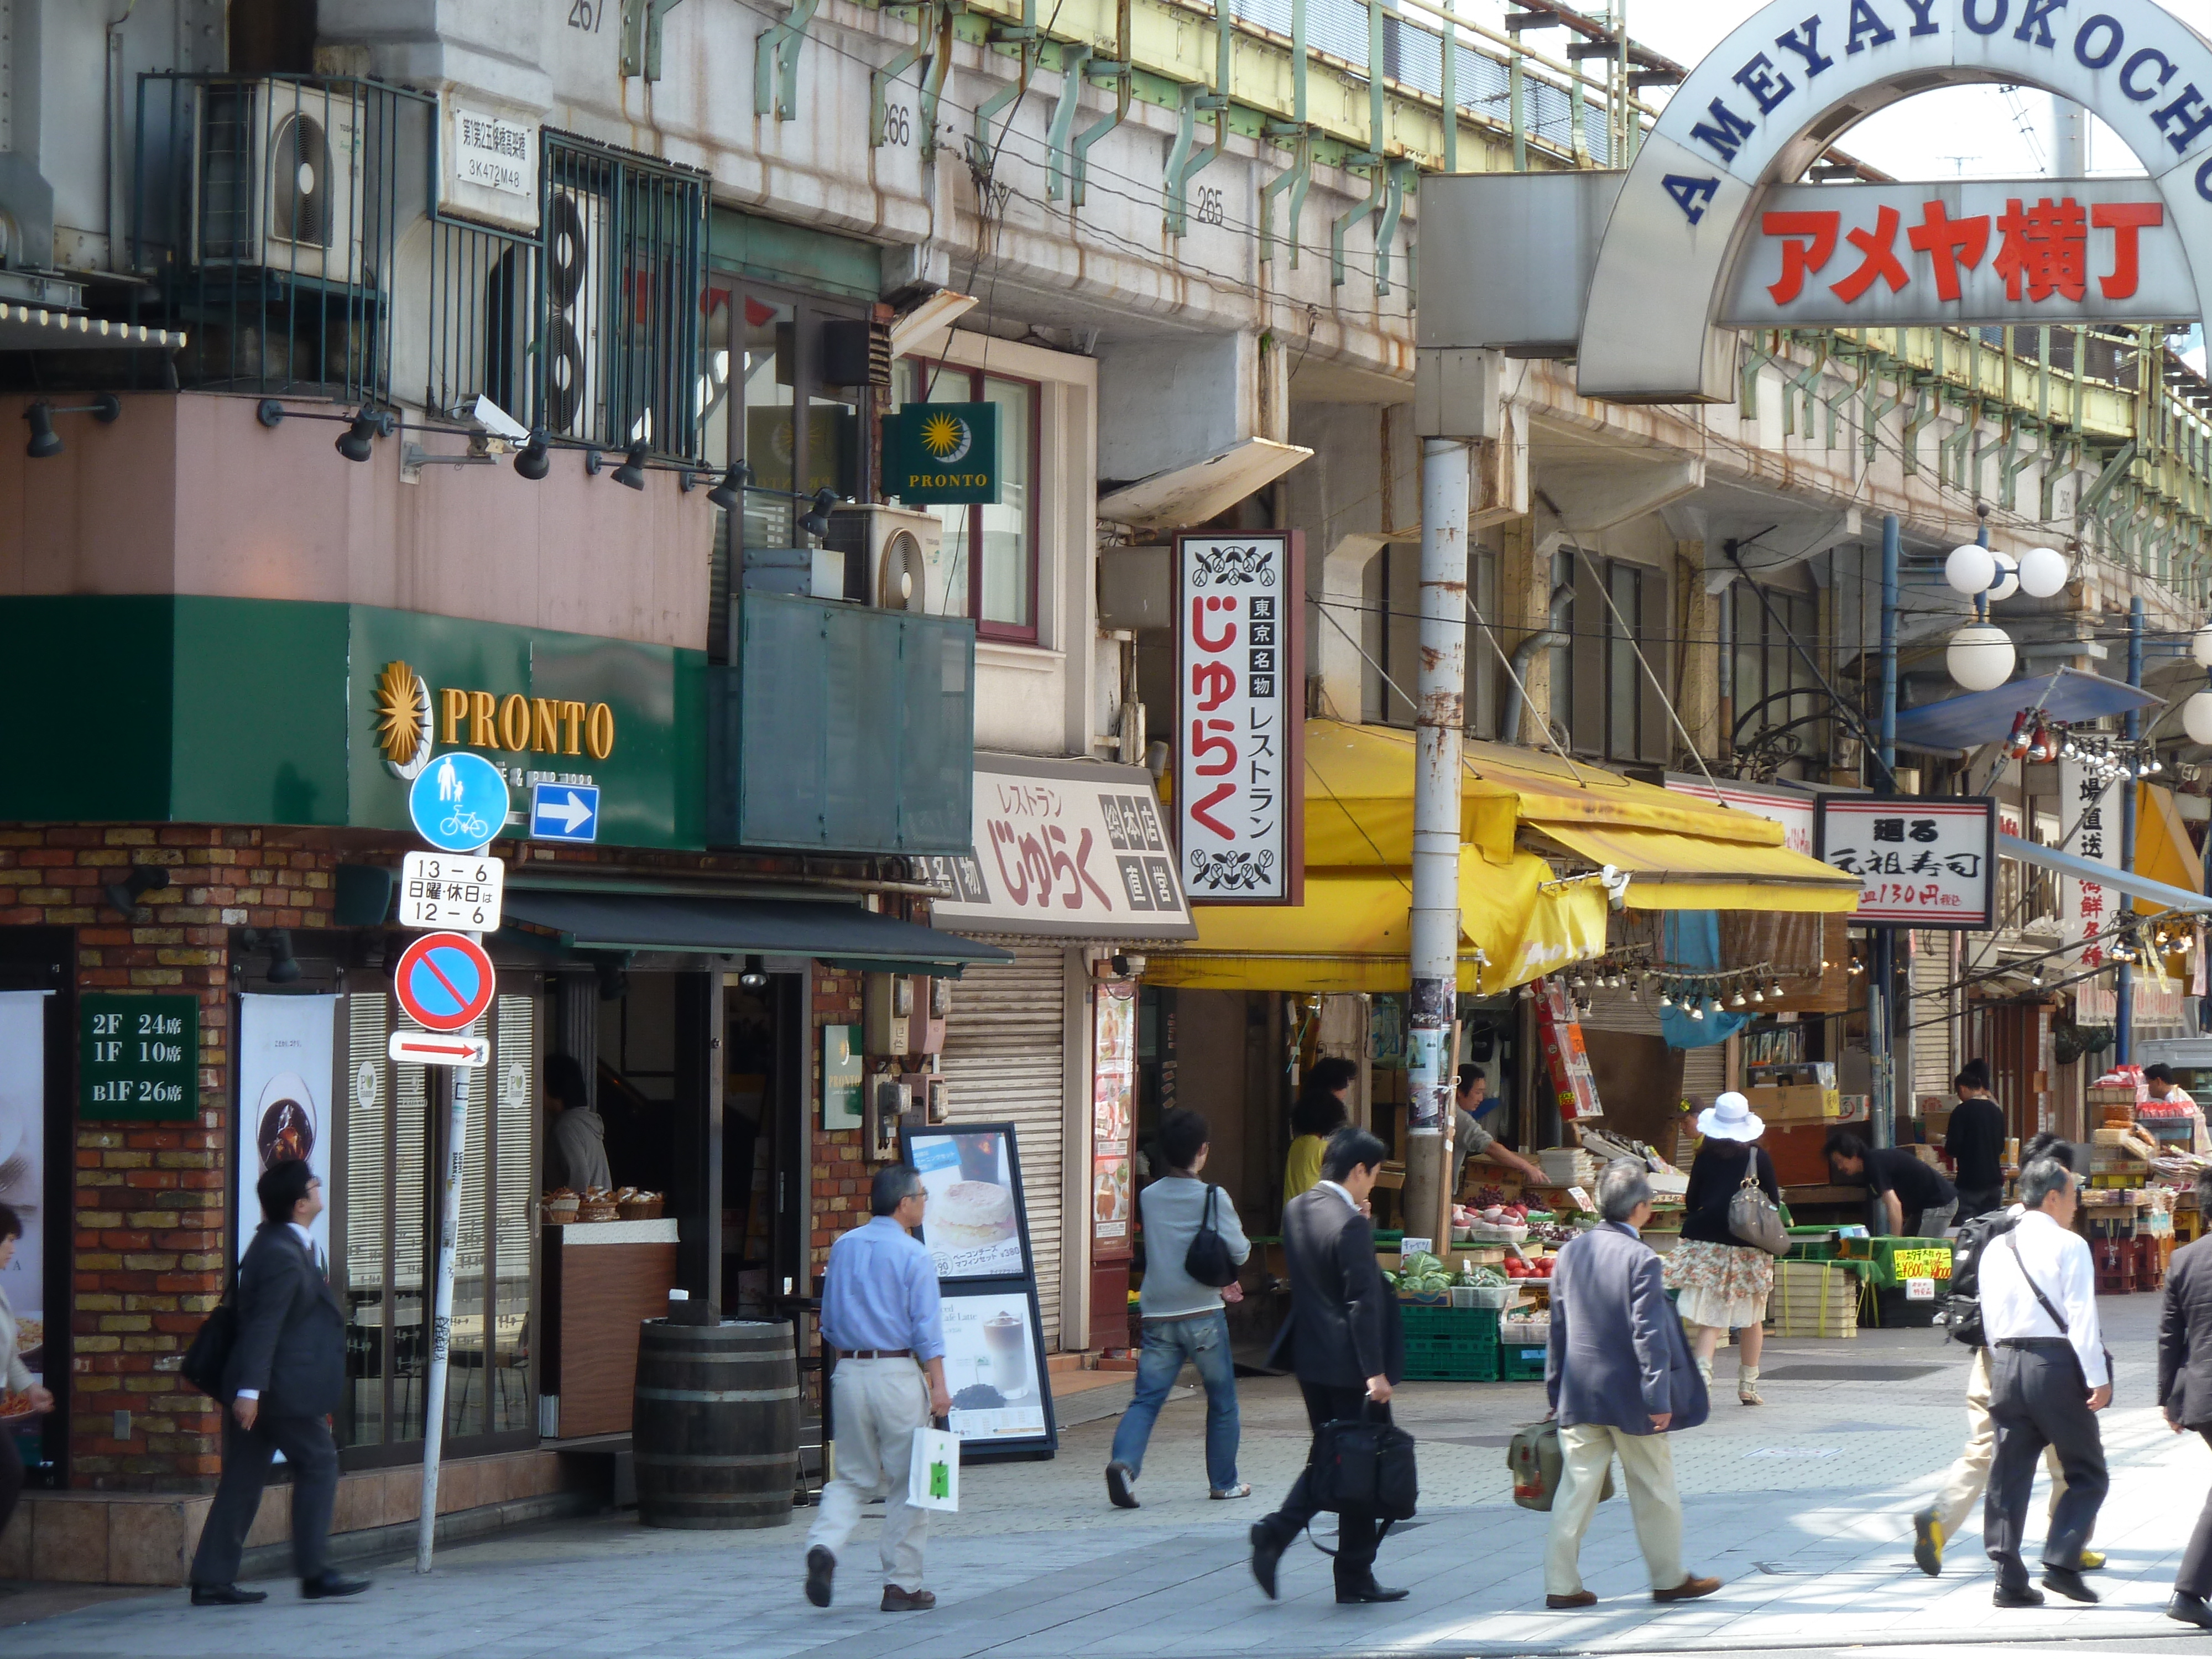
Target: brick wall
(839, 1177)
(149, 1212)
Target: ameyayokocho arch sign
(1766, 103)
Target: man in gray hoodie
(576, 1135)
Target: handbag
(1362, 1463)
(1536, 1461)
(1207, 1261)
(209, 1356)
(2012, 1242)
(1755, 1218)
(934, 1474)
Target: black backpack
(1963, 1306)
(1207, 1261)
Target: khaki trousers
(877, 1405)
(1647, 1461)
(1962, 1487)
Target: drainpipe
(1881, 999)
(1509, 721)
(2123, 1026)
(1439, 723)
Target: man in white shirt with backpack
(1182, 1314)
(2049, 1376)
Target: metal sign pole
(451, 1083)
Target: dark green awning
(845, 934)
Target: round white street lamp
(2200, 646)
(1971, 569)
(1979, 657)
(2196, 717)
(2042, 572)
(2008, 578)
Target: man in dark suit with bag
(1620, 1379)
(284, 1376)
(2185, 1393)
(1343, 1341)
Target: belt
(880, 1353)
(2033, 1342)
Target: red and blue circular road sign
(444, 982)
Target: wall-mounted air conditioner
(901, 552)
(579, 278)
(277, 180)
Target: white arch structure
(1767, 102)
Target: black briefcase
(1360, 1464)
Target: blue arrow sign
(564, 812)
(458, 803)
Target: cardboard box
(1795, 1103)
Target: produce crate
(1897, 1313)
(1450, 1345)
(1812, 1243)
(1520, 1364)
(1813, 1298)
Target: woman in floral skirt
(1723, 1283)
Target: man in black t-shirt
(1975, 1145)
(1912, 1192)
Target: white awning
(33, 328)
(2105, 875)
(1194, 493)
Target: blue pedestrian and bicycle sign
(564, 812)
(444, 982)
(458, 803)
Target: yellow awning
(1359, 801)
(1671, 871)
(1352, 933)
(1549, 791)
(2163, 849)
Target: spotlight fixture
(2035, 978)
(1665, 999)
(354, 443)
(107, 408)
(143, 878)
(631, 473)
(283, 966)
(1757, 996)
(1737, 1000)
(730, 494)
(1577, 983)
(1696, 1011)
(817, 523)
(755, 977)
(1775, 989)
(534, 459)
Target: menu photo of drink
(975, 1224)
(995, 1368)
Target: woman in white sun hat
(1723, 1282)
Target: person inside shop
(1916, 1201)
(1470, 1140)
(2185, 1393)
(1321, 1111)
(575, 1137)
(1975, 1142)
(1722, 1283)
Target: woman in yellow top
(1320, 1112)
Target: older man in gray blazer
(1620, 1378)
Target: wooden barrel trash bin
(714, 1435)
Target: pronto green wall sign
(138, 1057)
(945, 452)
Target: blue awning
(1975, 718)
(2081, 869)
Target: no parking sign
(444, 982)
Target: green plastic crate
(1457, 1324)
(1480, 1366)
(1519, 1364)
(1450, 1345)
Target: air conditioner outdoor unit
(277, 180)
(902, 551)
(579, 292)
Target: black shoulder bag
(1360, 1464)
(2011, 1243)
(209, 1358)
(1207, 1261)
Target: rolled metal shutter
(1926, 1028)
(1003, 1063)
(1616, 1012)
(1705, 1072)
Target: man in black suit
(1343, 1341)
(2185, 1392)
(286, 1375)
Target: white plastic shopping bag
(933, 1482)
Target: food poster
(973, 1222)
(1113, 1118)
(285, 1046)
(22, 1184)
(995, 1367)
(1564, 1056)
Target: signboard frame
(1830, 807)
(1272, 560)
(916, 474)
(128, 1010)
(911, 1137)
(422, 872)
(994, 1447)
(1112, 1185)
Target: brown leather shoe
(899, 1601)
(1689, 1589)
(1579, 1599)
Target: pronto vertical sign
(138, 1058)
(1239, 734)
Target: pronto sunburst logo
(403, 713)
(947, 437)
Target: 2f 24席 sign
(1921, 862)
(1240, 687)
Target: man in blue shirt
(880, 1312)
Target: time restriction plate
(444, 890)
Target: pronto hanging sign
(1922, 862)
(1239, 742)
(942, 453)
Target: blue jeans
(1203, 1341)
